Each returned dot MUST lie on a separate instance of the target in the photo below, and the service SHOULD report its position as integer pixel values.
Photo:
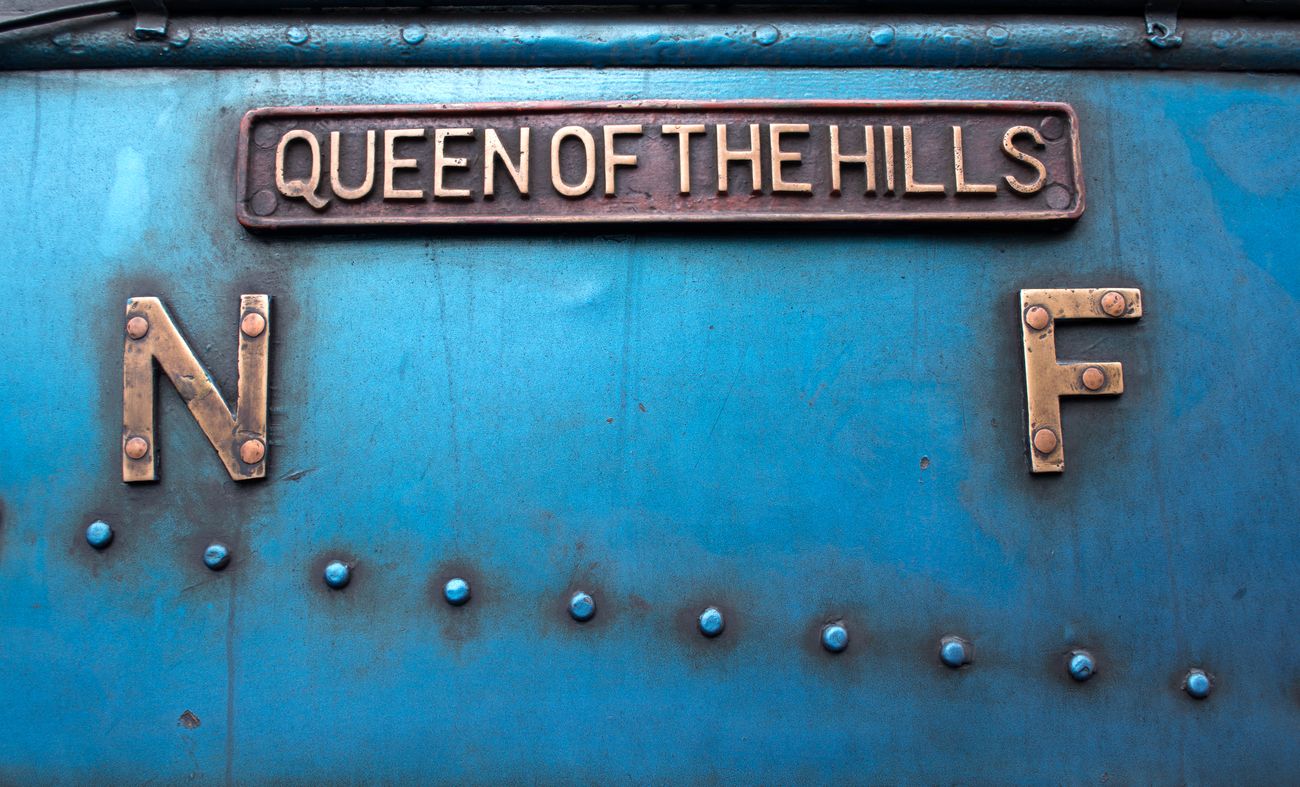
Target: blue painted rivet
(338, 574)
(1197, 684)
(767, 35)
(216, 556)
(1082, 665)
(882, 36)
(998, 35)
(954, 651)
(297, 35)
(99, 535)
(413, 34)
(835, 637)
(711, 622)
(582, 607)
(456, 591)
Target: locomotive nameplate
(658, 161)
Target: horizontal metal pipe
(749, 39)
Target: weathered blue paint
(747, 38)
(216, 556)
(456, 591)
(711, 622)
(98, 534)
(835, 637)
(954, 651)
(738, 412)
(582, 607)
(337, 574)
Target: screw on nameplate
(1046, 380)
(239, 438)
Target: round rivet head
(1197, 684)
(253, 324)
(1114, 303)
(1082, 665)
(954, 651)
(1036, 317)
(216, 556)
(338, 574)
(456, 591)
(711, 622)
(1044, 441)
(1093, 378)
(582, 607)
(835, 637)
(252, 451)
(137, 327)
(99, 535)
(136, 447)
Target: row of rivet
(954, 651)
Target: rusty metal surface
(659, 161)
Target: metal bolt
(338, 574)
(1082, 666)
(1036, 317)
(1057, 196)
(711, 622)
(216, 556)
(137, 327)
(99, 535)
(1197, 684)
(253, 324)
(1044, 441)
(997, 35)
(297, 36)
(252, 451)
(835, 637)
(1114, 303)
(456, 591)
(582, 607)
(1052, 127)
(413, 34)
(136, 447)
(767, 35)
(954, 651)
(881, 36)
(1093, 378)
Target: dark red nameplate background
(649, 191)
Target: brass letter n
(1046, 381)
(240, 439)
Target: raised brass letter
(1011, 151)
(959, 169)
(303, 189)
(1046, 380)
(726, 155)
(910, 186)
(613, 159)
(492, 149)
(392, 164)
(589, 161)
(341, 191)
(240, 439)
(441, 162)
(867, 159)
(683, 133)
(779, 156)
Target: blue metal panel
(791, 425)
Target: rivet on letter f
(240, 439)
(1046, 380)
